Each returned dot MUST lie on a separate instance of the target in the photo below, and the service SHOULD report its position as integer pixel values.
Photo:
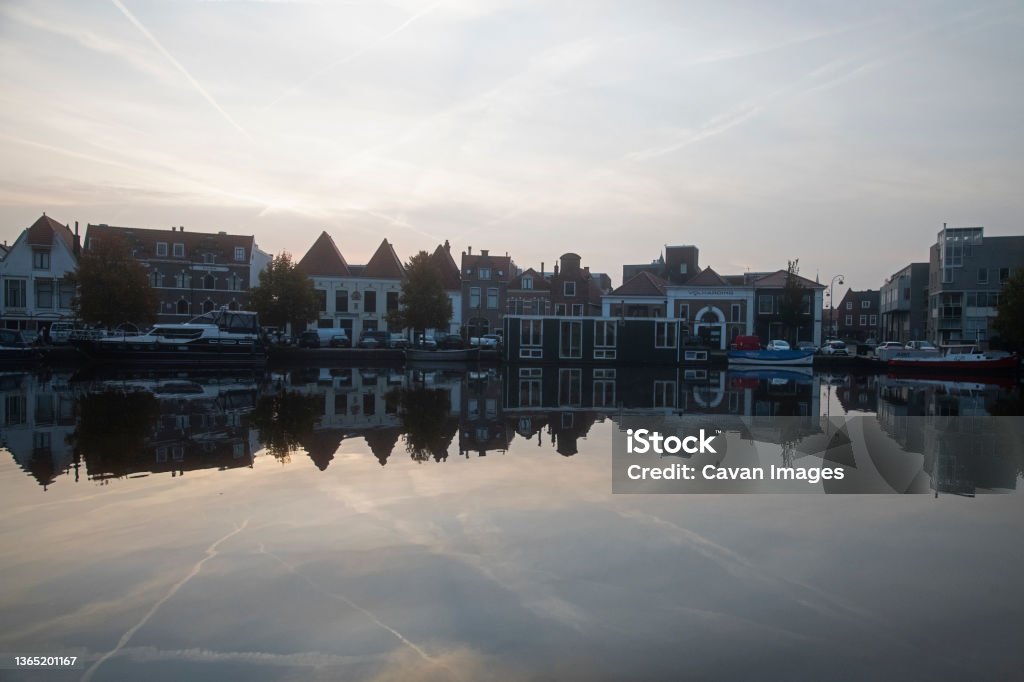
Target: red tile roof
(443, 261)
(144, 241)
(707, 278)
(384, 264)
(515, 282)
(324, 259)
(642, 283)
(43, 231)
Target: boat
(798, 373)
(458, 355)
(13, 348)
(218, 338)
(771, 358)
(965, 358)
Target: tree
(113, 287)
(283, 419)
(285, 295)
(791, 304)
(423, 303)
(1009, 323)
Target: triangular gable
(778, 280)
(642, 283)
(443, 261)
(324, 259)
(707, 278)
(540, 283)
(384, 264)
(43, 231)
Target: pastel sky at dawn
(840, 133)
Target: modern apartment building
(903, 304)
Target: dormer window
(40, 259)
(179, 250)
(240, 254)
(161, 249)
(485, 273)
(527, 282)
(569, 288)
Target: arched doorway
(709, 325)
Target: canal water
(384, 524)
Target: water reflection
(53, 424)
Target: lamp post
(832, 304)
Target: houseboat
(599, 340)
(221, 338)
(964, 358)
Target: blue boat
(771, 358)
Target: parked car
(834, 348)
(373, 339)
(449, 342)
(61, 332)
(397, 340)
(806, 345)
(486, 341)
(426, 343)
(778, 344)
(921, 345)
(747, 343)
(340, 341)
(309, 339)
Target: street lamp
(832, 304)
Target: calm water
(383, 525)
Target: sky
(843, 134)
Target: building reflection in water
(53, 424)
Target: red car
(747, 343)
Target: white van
(60, 332)
(334, 338)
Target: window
(66, 292)
(392, 301)
(14, 293)
(182, 307)
(155, 278)
(474, 298)
(664, 394)
(577, 310)
(370, 301)
(570, 339)
(530, 387)
(664, 335)
(492, 298)
(40, 259)
(209, 282)
(527, 283)
(570, 388)
(863, 320)
(179, 250)
(209, 258)
(44, 293)
(240, 254)
(341, 301)
(207, 306)
(321, 300)
(849, 305)
(531, 333)
(161, 249)
(849, 320)
(734, 313)
(874, 320)
(684, 311)
(1004, 274)
(560, 309)
(864, 305)
(982, 275)
(485, 273)
(325, 323)
(235, 282)
(569, 288)
(605, 338)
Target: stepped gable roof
(707, 278)
(384, 264)
(443, 261)
(642, 283)
(144, 240)
(778, 279)
(540, 283)
(43, 231)
(324, 259)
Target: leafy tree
(1010, 321)
(285, 295)
(423, 303)
(113, 287)
(791, 304)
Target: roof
(707, 278)
(642, 283)
(384, 264)
(540, 283)
(43, 231)
(443, 261)
(324, 259)
(778, 279)
(144, 240)
(473, 261)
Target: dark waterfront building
(192, 272)
(574, 292)
(903, 305)
(570, 340)
(857, 315)
(485, 281)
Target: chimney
(77, 248)
(470, 250)
(181, 228)
(484, 252)
(542, 268)
(447, 246)
(174, 228)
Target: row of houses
(950, 298)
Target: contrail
(211, 552)
(352, 56)
(196, 84)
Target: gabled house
(451, 279)
(192, 272)
(36, 291)
(529, 293)
(355, 298)
(573, 290)
(717, 309)
(642, 295)
(768, 296)
(857, 315)
(485, 281)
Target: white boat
(771, 358)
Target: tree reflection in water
(426, 425)
(284, 419)
(112, 431)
